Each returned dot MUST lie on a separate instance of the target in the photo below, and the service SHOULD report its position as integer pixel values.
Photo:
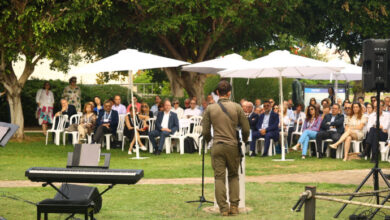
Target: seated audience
(66, 109)
(154, 108)
(276, 109)
(248, 109)
(325, 111)
(107, 122)
(203, 107)
(271, 102)
(129, 130)
(354, 125)
(267, 127)
(192, 111)
(332, 127)
(371, 143)
(136, 103)
(167, 124)
(187, 103)
(297, 114)
(258, 103)
(98, 104)
(87, 123)
(311, 126)
(177, 109)
(118, 106)
(387, 104)
(145, 114)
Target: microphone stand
(202, 198)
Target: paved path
(341, 177)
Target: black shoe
(155, 152)
(320, 155)
(361, 155)
(158, 152)
(264, 155)
(253, 154)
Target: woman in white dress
(45, 101)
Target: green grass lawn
(269, 201)
(15, 158)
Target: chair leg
(75, 138)
(107, 142)
(167, 145)
(181, 145)
(57, 138)
(150, 146)
(123, 143)
(47, 136)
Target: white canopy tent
(130, 60)
(348, 73)
(280, 64)
(215, 65)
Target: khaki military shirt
(223, 127)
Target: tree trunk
(16, 110)
(192, 82)
(13, 87)
(174, 80)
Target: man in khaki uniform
(225, 151)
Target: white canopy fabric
(129, 59)
(214, 66)
(348, 72)
(280, 64)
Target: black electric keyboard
(84, 175)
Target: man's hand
(166, 129)
(58, 114)
(106, 125)
(263, 131)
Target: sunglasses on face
(312, 109)
(175, 103)
(347, 107)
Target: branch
(170, 47)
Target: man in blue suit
(267, 127)
(107, 122)
(167, 123)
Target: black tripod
(202, 199)
(376, 171)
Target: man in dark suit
(106, 123)
(332, 127)
(267, 127)
(66, 109)
(167, 123)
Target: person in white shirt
(371, 143)
(45, 101)
(192, 111)
(154, 108)
(167, 124)
(120, 108)
(177, 109)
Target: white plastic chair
(196, 125)
(121, 126)
(181, 134)
(152, 124)
(75, 119)
(271, 149)
(298, 129)
(329, 141)
(384, 150)
(57, 131)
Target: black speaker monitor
(77, 192)
(376, 63)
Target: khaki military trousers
(226, 156)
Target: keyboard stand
(54, 187)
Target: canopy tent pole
(282, 147)
(131, 87)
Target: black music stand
(7, 130)
(202, 198)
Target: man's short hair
(336, 104)
(360, 98)
(224, 87)
(117, 95)
(107, 101)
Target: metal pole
(282, 117)
(310, 204)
